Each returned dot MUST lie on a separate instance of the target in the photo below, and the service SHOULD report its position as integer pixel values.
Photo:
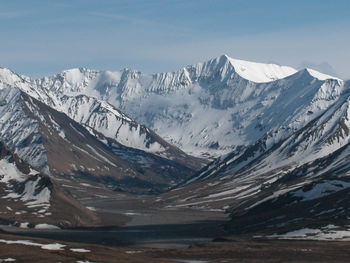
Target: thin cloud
(124, 18)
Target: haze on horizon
(44, 37)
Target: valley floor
(145, 225)
(154, 235)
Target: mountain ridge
(172, 103)
(274, 138)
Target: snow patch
(54, 246)
(46, 226)
(80, 250)
(322, 189)
(329, 232)
(7, 259)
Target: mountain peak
(8, 76)
(319, 75)
(76, 71)
(224, 57)
(256, 71)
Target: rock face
(29, 197)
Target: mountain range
(267, 143)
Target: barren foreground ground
(241, 250)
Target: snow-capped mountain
(280, 134)
(95, 114)
(294, 176)
(274, 158)
(206, 109)
(58, 146)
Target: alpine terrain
(265, 145)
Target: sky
(42, 37)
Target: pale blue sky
(41, 37)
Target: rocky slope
(55, 144)
(32, 199)
(291, 177)
(99, 116)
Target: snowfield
(329, 232)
